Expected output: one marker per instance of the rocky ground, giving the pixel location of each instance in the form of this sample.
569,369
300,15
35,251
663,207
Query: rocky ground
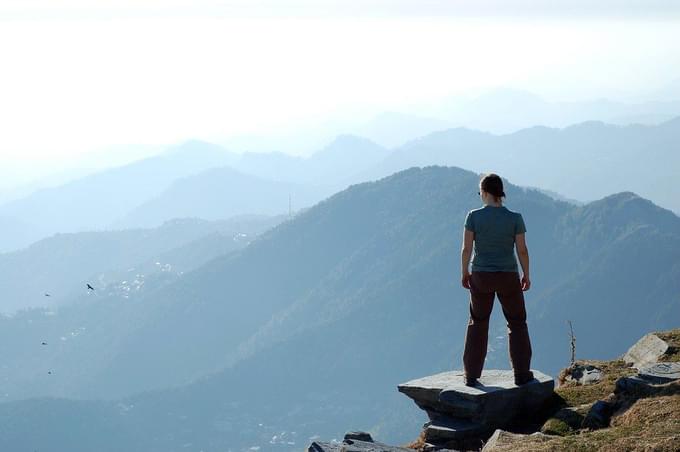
616,411
631,404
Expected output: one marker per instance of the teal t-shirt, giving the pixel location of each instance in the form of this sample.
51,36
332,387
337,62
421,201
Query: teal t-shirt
494,246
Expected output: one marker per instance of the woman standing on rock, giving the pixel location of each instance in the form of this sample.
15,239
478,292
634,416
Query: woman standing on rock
495,230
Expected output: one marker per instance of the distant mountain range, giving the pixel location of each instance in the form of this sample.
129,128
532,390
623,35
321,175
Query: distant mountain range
95,201
195,179
261,183
582,162
220,193
506,110
585,161
308,329
500,110
344,157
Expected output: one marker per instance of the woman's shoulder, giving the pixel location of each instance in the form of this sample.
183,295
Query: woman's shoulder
478,209
474,212
514,212
515,216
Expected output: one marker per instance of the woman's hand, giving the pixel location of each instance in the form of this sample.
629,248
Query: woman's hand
466,280
526,283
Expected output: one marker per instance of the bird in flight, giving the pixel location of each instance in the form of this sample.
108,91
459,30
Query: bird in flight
47,295
89,287
44,343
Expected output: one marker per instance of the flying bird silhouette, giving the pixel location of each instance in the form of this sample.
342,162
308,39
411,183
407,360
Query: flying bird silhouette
44,343
47,295
89,287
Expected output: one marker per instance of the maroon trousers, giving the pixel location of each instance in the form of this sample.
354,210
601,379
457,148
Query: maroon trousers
483,288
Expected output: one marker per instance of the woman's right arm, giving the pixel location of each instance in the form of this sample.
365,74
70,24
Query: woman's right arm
523,256
466,253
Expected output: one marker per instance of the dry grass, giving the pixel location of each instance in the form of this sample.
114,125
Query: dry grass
646,421
574,394
566,420
673,339
651,424
419,443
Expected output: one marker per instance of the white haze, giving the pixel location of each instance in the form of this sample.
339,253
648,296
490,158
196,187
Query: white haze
81,82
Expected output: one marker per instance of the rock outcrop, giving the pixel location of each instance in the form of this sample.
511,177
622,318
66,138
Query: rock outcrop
649,379
583,374
501,439
646,351
458,412
638,402
660,373
567,419
355,442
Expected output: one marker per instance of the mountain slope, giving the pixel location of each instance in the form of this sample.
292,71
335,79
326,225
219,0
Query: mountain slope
343,157
220,193
62,264
351,297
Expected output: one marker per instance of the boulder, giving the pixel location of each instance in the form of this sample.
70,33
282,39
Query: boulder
427,447
361,436
598,416
351,445
660,373
502,440
584,374
646,351
566,420
457,411
632,384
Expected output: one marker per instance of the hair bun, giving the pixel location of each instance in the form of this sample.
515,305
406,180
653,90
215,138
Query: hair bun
493,184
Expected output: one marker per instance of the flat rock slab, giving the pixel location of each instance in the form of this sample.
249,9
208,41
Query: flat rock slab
350,445
660,372
446,429
494,400
425,393
491,381
646,351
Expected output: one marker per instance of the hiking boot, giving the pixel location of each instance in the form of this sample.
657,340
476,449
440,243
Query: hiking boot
470,381
524,378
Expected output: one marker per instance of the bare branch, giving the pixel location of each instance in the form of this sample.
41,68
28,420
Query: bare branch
573,344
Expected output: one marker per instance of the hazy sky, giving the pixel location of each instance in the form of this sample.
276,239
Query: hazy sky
77,77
